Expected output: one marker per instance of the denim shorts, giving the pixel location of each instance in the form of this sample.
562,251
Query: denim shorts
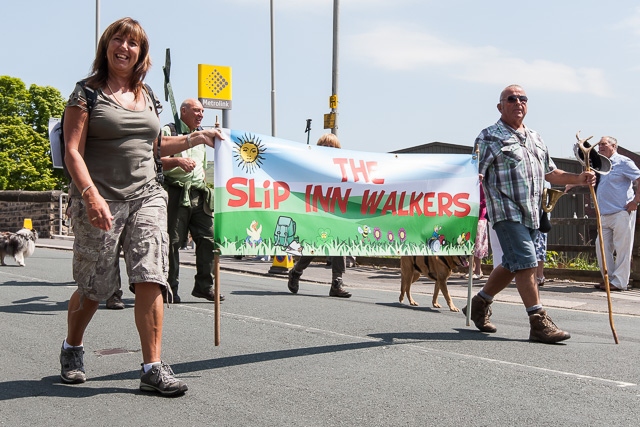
139,230
518,245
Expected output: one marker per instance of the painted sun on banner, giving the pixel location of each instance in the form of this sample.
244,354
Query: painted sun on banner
274,196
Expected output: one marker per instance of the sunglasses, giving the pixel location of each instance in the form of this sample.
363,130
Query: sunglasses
511,99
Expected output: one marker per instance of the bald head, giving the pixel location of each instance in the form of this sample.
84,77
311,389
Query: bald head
510,89
513,106
191,113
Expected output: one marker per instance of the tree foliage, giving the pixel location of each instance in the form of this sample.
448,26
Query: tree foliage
25,154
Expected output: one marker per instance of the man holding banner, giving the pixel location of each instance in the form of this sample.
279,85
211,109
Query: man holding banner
514,163
190,206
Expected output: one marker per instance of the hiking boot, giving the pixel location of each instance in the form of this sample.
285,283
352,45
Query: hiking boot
294,281
115,301
337,290
544,330
160,378
208,295
480,314
72,365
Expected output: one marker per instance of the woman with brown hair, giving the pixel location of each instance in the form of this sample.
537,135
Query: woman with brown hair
118,203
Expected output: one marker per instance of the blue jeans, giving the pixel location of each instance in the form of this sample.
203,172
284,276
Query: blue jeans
518,245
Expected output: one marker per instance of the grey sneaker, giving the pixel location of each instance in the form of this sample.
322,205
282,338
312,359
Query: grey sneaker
72,365
337,289
294,281
160,378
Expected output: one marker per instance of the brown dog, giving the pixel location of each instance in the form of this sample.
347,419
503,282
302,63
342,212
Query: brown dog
435,267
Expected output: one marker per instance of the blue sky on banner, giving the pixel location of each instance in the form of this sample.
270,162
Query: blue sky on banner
410,71
294,163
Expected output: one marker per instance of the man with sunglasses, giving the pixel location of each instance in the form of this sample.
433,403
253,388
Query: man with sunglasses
513,164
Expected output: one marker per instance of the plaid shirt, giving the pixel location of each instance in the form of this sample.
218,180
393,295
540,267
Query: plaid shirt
514,165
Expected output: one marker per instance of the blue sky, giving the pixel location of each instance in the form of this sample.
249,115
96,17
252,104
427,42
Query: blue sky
410,71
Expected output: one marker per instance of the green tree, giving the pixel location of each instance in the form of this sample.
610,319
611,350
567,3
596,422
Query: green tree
25,154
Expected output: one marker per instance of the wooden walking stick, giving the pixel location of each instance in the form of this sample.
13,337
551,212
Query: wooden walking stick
586,148
216,284
216,298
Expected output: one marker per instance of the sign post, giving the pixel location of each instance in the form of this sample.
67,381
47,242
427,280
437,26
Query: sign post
214,89
168,93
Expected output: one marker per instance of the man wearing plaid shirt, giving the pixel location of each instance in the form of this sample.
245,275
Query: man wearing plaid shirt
513,164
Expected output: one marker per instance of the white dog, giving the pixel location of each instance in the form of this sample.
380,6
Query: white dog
18,245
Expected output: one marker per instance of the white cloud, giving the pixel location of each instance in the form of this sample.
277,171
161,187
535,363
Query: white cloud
632,22
403,49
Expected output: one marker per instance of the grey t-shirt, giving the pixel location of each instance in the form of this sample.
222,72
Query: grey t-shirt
119,147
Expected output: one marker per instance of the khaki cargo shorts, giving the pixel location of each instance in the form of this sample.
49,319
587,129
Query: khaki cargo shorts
139,231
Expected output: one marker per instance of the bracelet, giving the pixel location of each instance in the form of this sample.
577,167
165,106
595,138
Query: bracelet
189,140
85,190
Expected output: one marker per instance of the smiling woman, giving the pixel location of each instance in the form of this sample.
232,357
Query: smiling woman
118,204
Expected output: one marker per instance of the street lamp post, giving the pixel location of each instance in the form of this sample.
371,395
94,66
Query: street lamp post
273,78
334,70
97,23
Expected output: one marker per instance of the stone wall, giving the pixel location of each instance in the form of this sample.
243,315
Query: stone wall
46,209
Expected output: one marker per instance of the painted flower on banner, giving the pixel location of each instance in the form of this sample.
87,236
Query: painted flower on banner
391,236
323,235
402,234
249,153
463,238
377,233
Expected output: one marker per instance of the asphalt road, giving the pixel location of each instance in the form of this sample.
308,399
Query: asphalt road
311,360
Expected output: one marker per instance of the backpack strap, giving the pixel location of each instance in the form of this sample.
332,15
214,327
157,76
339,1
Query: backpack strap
90,93
172,128
157,105
156,102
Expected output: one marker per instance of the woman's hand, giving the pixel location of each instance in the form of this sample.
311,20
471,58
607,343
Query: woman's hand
207,136
98,210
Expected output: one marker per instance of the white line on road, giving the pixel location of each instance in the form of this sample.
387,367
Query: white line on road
616,383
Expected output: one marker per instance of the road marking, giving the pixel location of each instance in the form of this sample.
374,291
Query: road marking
621,384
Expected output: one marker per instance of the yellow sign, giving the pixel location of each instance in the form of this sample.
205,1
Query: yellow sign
333,102
214,86
329,120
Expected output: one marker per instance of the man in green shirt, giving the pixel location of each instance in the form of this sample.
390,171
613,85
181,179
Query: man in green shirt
190,207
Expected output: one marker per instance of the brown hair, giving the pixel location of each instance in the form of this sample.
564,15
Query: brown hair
127,27
329,140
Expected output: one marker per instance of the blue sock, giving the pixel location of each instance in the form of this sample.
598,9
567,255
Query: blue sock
66,345
485,296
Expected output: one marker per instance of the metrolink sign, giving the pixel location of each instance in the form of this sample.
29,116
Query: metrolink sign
214,86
